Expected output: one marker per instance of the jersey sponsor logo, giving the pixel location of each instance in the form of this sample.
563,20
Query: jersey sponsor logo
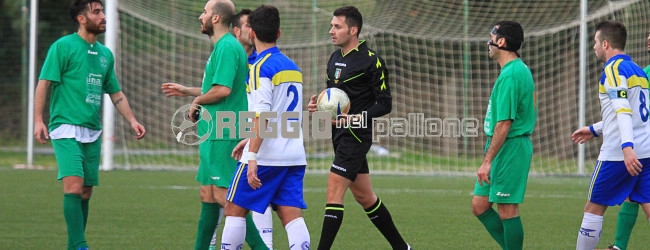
502,194
340,64
215,177
103,62
337,73
267,230
338,168
614,93
92,52
587,232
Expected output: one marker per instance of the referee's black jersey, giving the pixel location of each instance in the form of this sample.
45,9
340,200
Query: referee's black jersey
362,74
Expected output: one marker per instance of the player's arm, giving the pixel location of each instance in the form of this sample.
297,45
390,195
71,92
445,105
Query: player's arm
261,98
122,105
616,90
40,96
177,89
214,95
498,138
379,86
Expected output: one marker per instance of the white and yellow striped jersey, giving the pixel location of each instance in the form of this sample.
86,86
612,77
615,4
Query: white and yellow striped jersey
623,93
275,85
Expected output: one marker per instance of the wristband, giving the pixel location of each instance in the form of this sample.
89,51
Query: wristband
250,156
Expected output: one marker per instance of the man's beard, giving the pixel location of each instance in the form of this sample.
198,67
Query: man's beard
208,29
96,29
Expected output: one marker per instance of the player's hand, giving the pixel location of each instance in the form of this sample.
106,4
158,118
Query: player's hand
139,130
483,173
40,132
631,162
194,108
582,135
253,181
174,89
312,107
239,149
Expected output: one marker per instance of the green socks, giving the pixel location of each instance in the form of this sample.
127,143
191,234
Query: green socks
74,219
626,220
513,233
84,211
494,226
253,237
207,222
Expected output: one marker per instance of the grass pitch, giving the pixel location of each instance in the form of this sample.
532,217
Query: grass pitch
159,210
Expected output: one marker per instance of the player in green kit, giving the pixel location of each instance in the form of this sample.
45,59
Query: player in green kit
223,89
509,122
77,71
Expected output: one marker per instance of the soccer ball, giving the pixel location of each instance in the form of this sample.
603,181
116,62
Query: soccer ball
186,131
333,100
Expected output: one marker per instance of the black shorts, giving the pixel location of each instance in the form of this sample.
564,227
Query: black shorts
350,157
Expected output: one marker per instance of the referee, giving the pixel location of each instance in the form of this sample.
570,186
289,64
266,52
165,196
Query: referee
362,74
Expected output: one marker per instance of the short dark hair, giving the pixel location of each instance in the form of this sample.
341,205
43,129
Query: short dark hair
265,22
224,11
512,32
78,7
352,15
235,19
614,32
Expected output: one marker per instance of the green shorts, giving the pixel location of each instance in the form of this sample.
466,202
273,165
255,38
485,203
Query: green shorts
509,172
216,166
78,159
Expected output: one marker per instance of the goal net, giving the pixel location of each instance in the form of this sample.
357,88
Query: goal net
439,72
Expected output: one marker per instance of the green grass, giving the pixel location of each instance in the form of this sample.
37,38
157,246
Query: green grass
159,210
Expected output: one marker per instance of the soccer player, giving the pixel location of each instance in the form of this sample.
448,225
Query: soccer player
267,173
263,222
623,93
509,121
223,89
241,29
629,210
362,74
78,70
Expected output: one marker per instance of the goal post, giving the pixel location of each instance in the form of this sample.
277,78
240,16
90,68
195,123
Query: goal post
439,72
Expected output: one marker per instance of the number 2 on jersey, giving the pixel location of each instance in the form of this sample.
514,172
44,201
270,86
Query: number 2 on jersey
294,102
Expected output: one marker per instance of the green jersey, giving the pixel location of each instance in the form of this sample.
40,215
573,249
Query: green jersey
513,98
80,73
647,71
226,66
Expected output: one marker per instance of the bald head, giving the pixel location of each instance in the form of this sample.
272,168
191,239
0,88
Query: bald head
225,9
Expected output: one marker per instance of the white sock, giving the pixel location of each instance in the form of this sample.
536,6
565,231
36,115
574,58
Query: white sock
234,233
589,233
213,242
264,224
298,234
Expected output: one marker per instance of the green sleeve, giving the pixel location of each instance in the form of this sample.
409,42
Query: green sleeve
54,63
506,100
111,85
